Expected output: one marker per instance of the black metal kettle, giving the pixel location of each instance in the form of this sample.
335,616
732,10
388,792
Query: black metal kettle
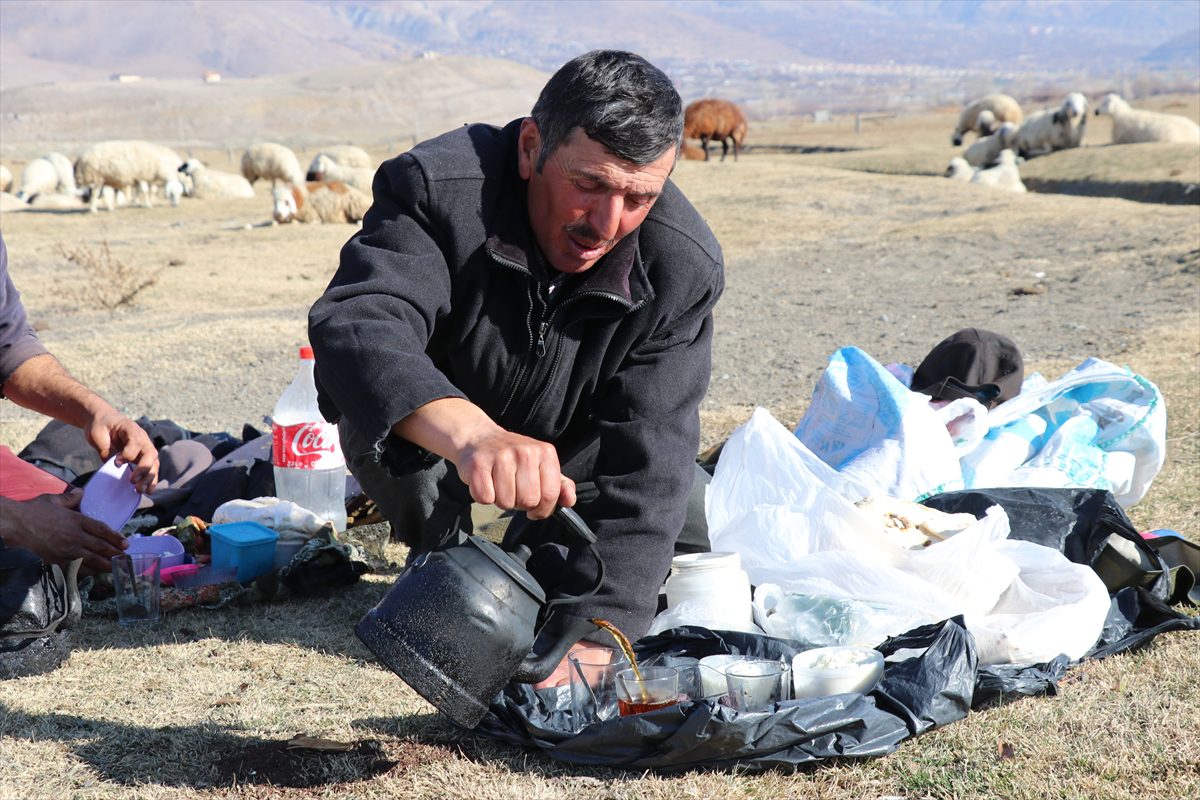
459,623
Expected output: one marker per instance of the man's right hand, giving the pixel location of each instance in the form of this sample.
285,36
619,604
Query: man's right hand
52,527
501,467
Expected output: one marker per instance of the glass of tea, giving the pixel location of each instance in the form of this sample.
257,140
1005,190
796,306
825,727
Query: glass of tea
653,688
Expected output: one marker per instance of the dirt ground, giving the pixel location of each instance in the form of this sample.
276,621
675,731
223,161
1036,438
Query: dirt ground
818,256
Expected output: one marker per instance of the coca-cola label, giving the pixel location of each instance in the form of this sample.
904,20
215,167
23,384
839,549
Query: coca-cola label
306,445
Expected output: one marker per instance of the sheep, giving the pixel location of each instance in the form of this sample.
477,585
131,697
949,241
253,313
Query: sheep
347,155
269,160
209,183
1047,130
325,168
38,177
65,170
985,150
960,170
319,201
1002,176
1132,126
999,108
6,179
125,166
1073,112
715,119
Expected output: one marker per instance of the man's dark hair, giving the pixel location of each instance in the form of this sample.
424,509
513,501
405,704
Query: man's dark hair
619,99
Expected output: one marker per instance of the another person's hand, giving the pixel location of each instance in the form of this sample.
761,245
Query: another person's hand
52,527
111,432
515,472
562,673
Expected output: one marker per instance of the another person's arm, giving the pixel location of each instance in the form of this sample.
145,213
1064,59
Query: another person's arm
42,384
51,526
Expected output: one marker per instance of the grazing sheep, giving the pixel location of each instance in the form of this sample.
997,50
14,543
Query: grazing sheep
1002,176
320,201
272,162
38,177
210,183
999,108
347,155
986,149
125,166
718,120
6,179
65,170
325,168
1132,126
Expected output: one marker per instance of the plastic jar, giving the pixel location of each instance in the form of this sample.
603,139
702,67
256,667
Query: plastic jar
715,581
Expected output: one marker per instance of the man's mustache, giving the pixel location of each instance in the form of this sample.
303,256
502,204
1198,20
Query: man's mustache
586,234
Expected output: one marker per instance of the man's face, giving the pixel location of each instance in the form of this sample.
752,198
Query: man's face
585,199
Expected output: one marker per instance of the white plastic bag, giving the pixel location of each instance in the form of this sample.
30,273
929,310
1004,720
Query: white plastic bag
869,426
290,520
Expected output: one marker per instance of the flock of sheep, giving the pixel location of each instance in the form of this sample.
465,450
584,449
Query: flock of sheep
337,187
1007,136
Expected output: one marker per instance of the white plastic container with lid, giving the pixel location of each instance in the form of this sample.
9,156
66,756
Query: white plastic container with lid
306,451
716,585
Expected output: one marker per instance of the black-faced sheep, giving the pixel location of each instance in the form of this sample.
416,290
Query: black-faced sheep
324,168
129,166
272,162
1133,126
995,110
319,201
716,120
1051,129
210,183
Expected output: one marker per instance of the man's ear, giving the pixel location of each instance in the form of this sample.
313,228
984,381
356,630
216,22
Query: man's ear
529,145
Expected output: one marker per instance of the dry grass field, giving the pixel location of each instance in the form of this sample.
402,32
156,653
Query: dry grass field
864,247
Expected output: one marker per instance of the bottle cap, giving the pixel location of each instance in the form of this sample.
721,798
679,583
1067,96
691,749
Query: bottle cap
306,353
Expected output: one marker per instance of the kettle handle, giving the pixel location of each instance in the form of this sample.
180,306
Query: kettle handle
575,524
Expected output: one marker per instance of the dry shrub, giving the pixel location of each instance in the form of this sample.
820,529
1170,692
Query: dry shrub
110,282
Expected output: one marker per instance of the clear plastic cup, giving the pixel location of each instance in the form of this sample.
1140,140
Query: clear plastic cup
594,686
136,581
657,688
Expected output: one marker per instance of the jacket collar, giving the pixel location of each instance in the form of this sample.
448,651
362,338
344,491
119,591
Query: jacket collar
619,275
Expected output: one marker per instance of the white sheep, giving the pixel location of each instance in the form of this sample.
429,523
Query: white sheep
319,201
272,162
128,166
6,179
1002,176
65,171
994,108
1051,129
347,155
1132,126
325,168
38,177
986,149
210,183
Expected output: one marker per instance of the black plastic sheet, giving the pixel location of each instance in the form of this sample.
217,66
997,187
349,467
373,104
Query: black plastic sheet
938,682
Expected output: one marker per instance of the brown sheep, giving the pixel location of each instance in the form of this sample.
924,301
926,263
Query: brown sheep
719,120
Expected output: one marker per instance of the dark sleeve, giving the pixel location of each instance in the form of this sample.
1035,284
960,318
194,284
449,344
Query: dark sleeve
18,342
370,328
649,424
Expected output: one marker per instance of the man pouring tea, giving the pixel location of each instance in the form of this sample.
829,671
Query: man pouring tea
525,320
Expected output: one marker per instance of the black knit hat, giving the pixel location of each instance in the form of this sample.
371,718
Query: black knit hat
972,363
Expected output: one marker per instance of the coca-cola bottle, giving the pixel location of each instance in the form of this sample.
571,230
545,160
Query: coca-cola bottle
309,467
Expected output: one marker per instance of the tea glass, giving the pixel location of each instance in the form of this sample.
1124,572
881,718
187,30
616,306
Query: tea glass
594,686
657,688
136,581
755,685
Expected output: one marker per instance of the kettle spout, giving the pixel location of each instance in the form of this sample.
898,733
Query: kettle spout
537,667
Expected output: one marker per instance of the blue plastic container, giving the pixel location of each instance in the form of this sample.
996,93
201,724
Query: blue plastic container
248,547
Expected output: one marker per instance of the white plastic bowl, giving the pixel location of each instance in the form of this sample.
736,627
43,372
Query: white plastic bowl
811,679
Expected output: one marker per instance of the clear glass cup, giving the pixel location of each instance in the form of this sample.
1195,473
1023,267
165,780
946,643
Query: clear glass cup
658,688
136,581
594,686
755,685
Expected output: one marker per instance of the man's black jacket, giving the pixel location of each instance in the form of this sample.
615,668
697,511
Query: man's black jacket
439,296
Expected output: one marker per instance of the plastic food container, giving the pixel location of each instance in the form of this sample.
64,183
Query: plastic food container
204,576
248,547
168,549
715,587
836,670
